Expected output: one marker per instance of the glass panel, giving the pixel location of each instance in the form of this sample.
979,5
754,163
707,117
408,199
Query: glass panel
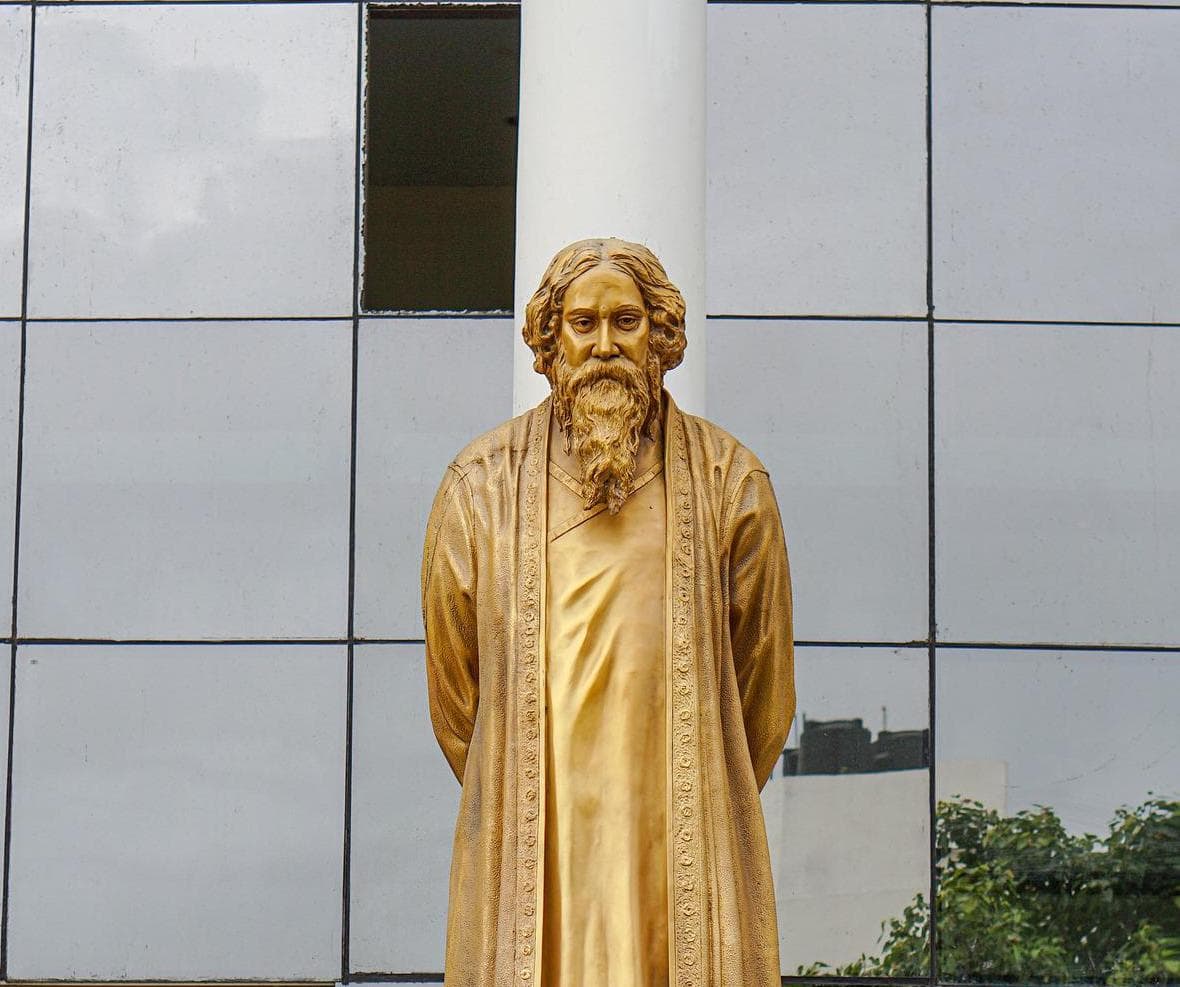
194,160
14,136
817,159
5,695
186,480
426,388
849,824
1058,484
9,399
178,812
1114,3
440,158
832,899
1055,152
837,413
1069,871
404,805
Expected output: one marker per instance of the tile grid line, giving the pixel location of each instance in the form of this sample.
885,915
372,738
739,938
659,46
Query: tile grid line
943,321
1010,4
357,174
182,319
85,4
437,978
16,517
497,316
275,642
932,586
1034,4
351,639
784,979
427,4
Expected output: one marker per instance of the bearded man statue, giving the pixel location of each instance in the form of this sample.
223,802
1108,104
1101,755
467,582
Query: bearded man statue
607,604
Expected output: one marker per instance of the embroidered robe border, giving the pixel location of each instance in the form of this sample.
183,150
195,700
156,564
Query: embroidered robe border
684,795
530,780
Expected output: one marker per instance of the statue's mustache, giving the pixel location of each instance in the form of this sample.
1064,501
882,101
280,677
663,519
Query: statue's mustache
618,369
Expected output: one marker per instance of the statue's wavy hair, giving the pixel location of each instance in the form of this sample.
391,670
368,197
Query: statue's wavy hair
661,298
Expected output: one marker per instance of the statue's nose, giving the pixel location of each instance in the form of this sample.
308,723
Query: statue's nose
604,343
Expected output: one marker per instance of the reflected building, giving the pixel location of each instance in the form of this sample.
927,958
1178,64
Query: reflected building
837,747
848,820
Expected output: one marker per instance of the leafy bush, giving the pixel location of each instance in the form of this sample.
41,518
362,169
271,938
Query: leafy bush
1021,900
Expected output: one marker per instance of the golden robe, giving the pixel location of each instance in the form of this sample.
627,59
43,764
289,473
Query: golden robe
728,675
605,902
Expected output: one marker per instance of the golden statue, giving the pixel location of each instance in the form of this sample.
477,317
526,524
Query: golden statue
609,656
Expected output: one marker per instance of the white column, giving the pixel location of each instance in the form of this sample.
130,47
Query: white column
612,143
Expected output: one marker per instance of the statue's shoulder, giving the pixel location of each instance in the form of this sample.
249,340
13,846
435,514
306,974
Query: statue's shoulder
720,449
506,442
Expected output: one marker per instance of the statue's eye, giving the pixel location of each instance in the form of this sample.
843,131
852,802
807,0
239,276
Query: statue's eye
582,324
628,322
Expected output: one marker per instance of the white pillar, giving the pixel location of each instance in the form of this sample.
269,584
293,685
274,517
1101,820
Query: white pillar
612,143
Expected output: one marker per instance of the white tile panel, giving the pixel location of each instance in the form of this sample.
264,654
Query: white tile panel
404,804
1058,484
9,400
178,813
5,695
186,480
837,413
817,159
426,387
1056,141
193,160
14,124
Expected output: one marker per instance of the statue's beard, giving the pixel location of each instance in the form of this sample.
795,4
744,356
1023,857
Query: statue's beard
604,407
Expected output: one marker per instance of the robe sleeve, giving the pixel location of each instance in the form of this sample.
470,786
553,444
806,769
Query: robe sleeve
760,621
448,614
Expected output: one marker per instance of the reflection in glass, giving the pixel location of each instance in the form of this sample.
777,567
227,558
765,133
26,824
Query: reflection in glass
848,830
193,160
1021,900
1075,875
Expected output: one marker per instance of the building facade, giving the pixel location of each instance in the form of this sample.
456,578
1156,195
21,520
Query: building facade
943,306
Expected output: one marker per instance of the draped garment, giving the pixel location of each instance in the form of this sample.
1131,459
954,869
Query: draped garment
728,674
606,884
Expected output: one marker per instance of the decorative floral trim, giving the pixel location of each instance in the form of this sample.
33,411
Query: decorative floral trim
529,780
685,801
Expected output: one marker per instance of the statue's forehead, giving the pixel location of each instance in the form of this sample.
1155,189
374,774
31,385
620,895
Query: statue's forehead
599,280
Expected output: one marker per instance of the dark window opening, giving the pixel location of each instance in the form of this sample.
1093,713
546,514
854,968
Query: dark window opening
440,158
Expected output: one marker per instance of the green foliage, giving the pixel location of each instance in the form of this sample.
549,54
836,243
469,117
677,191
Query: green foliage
1021,900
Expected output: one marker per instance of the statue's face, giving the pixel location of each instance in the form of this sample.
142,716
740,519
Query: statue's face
603,316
